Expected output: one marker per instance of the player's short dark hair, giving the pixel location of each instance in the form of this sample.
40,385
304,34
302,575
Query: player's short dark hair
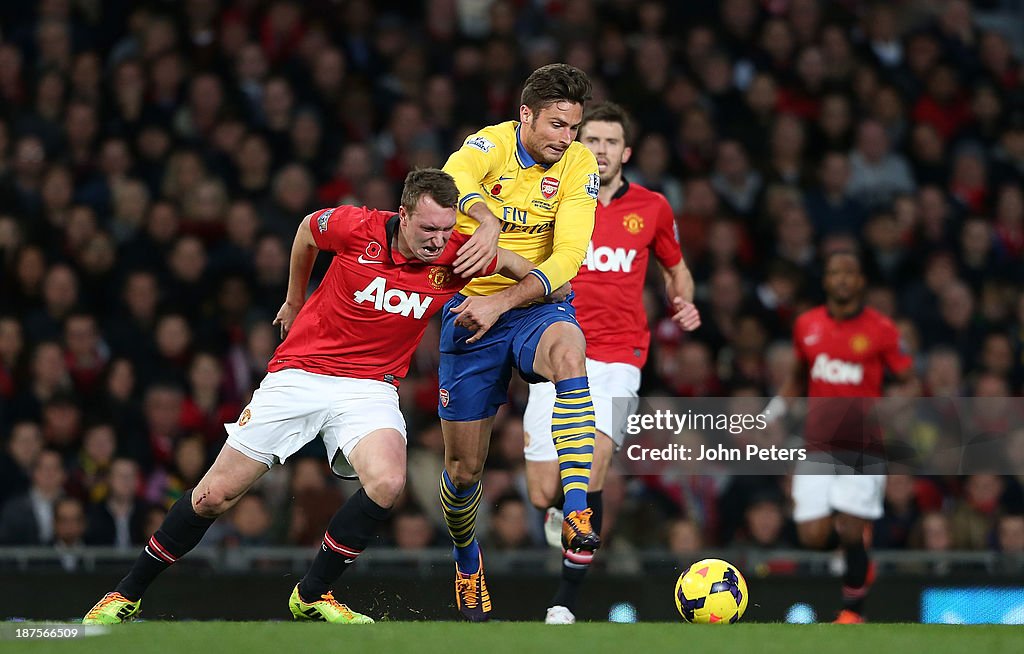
844,252
433,182
609,112
555,83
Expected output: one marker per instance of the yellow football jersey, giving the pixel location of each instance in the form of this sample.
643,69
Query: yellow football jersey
546,212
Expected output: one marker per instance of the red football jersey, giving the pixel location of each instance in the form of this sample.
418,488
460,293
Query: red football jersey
609,287
371,309
846,359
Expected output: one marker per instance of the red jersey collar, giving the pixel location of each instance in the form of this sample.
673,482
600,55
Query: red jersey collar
391,231
852,316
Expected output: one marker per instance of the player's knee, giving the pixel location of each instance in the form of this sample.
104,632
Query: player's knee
568,361
850,530
212,501
464,473
815,539
385,489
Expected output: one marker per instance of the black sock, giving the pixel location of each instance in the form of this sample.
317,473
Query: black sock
854,581
181,530
573,573
596,504
347,536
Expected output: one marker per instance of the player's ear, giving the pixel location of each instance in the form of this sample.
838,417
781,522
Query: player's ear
403,215
525,115
627,152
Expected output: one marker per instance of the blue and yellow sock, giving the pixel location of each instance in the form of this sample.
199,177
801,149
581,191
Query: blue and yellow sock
460,508
572,429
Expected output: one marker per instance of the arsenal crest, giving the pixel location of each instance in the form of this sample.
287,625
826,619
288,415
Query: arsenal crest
439,276
548,187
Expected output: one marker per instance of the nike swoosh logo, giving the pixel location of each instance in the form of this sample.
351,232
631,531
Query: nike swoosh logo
363,259
502,179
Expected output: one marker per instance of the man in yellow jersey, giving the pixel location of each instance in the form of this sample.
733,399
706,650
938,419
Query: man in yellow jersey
529,186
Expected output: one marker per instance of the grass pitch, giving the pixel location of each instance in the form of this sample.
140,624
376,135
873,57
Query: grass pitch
527,638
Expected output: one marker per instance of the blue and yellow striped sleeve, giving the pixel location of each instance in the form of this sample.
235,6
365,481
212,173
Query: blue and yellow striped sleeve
482,155
574,222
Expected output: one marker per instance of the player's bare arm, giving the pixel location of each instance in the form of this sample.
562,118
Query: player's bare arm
481,247
304,251
517,267
679,287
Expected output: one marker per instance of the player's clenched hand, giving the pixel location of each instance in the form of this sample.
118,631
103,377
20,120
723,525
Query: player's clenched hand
560,293
285,317
477,314
686,314
481,248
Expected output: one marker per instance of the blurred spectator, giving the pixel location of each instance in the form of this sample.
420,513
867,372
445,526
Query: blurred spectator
934,533
89,477
1010,534
736,182
683,537
412,530
894,528
119,520
69,525
764,524
877,174
509,530
28,519
975,514
250,522
829,206
18,459
314,501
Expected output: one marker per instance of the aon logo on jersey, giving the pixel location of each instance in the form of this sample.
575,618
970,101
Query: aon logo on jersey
836,371
393,300
606,259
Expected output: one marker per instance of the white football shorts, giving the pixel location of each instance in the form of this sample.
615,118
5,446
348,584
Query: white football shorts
819,496
292,407
613,388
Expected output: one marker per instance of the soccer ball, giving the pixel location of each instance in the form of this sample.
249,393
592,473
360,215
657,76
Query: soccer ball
711,591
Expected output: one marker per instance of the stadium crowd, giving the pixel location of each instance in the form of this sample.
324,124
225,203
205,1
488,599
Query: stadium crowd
156,157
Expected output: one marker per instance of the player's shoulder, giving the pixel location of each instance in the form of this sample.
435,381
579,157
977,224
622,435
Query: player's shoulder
493,137
579,156
875,317
642,194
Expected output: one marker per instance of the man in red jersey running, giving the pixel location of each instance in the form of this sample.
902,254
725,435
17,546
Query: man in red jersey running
334,376
630,222
842,351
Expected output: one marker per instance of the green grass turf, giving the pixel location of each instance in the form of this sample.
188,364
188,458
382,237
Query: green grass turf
527,638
